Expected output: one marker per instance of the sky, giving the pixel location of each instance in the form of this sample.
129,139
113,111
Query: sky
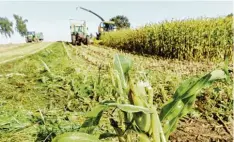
52,17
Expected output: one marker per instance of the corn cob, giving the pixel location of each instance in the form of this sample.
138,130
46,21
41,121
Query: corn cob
142,120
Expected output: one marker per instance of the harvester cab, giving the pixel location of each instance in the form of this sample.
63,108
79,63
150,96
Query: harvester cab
79,32
104,26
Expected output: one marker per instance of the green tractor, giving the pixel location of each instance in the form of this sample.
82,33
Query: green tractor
79,32
31,36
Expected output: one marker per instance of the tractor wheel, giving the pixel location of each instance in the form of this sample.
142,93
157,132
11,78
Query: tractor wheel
73,40
79,42
98,36
87,41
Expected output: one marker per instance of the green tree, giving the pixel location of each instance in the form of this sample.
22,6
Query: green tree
121,21
6,27
21,26
230,15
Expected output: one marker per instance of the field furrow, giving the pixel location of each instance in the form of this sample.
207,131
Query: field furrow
150,63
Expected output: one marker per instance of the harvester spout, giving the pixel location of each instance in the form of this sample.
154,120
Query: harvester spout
92,13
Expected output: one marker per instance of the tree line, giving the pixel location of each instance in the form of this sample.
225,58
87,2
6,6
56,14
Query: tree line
7,29
121,21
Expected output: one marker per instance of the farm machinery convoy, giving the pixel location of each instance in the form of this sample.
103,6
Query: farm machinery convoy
32,36
79,29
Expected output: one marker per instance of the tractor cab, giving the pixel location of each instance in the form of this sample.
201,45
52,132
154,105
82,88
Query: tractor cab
78,27
79,32
31,33
30,36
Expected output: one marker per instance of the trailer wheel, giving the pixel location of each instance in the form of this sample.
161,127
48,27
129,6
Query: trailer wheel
73,39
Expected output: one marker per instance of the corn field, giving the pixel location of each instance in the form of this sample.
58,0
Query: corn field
190,39
88,93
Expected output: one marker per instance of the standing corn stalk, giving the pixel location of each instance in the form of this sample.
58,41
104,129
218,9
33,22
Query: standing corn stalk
136,110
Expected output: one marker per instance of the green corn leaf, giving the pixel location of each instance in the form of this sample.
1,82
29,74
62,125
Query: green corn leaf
217,75
184,87
169,127
131,108
196,87
122,65
205,81
184,99
96,110
171,110
107,102
225,68
46,67
75,137
124,62
171,122
188,104
91,123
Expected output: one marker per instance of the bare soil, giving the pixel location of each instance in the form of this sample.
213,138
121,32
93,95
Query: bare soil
194,130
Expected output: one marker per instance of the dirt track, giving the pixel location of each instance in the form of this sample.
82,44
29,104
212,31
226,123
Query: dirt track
8,55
